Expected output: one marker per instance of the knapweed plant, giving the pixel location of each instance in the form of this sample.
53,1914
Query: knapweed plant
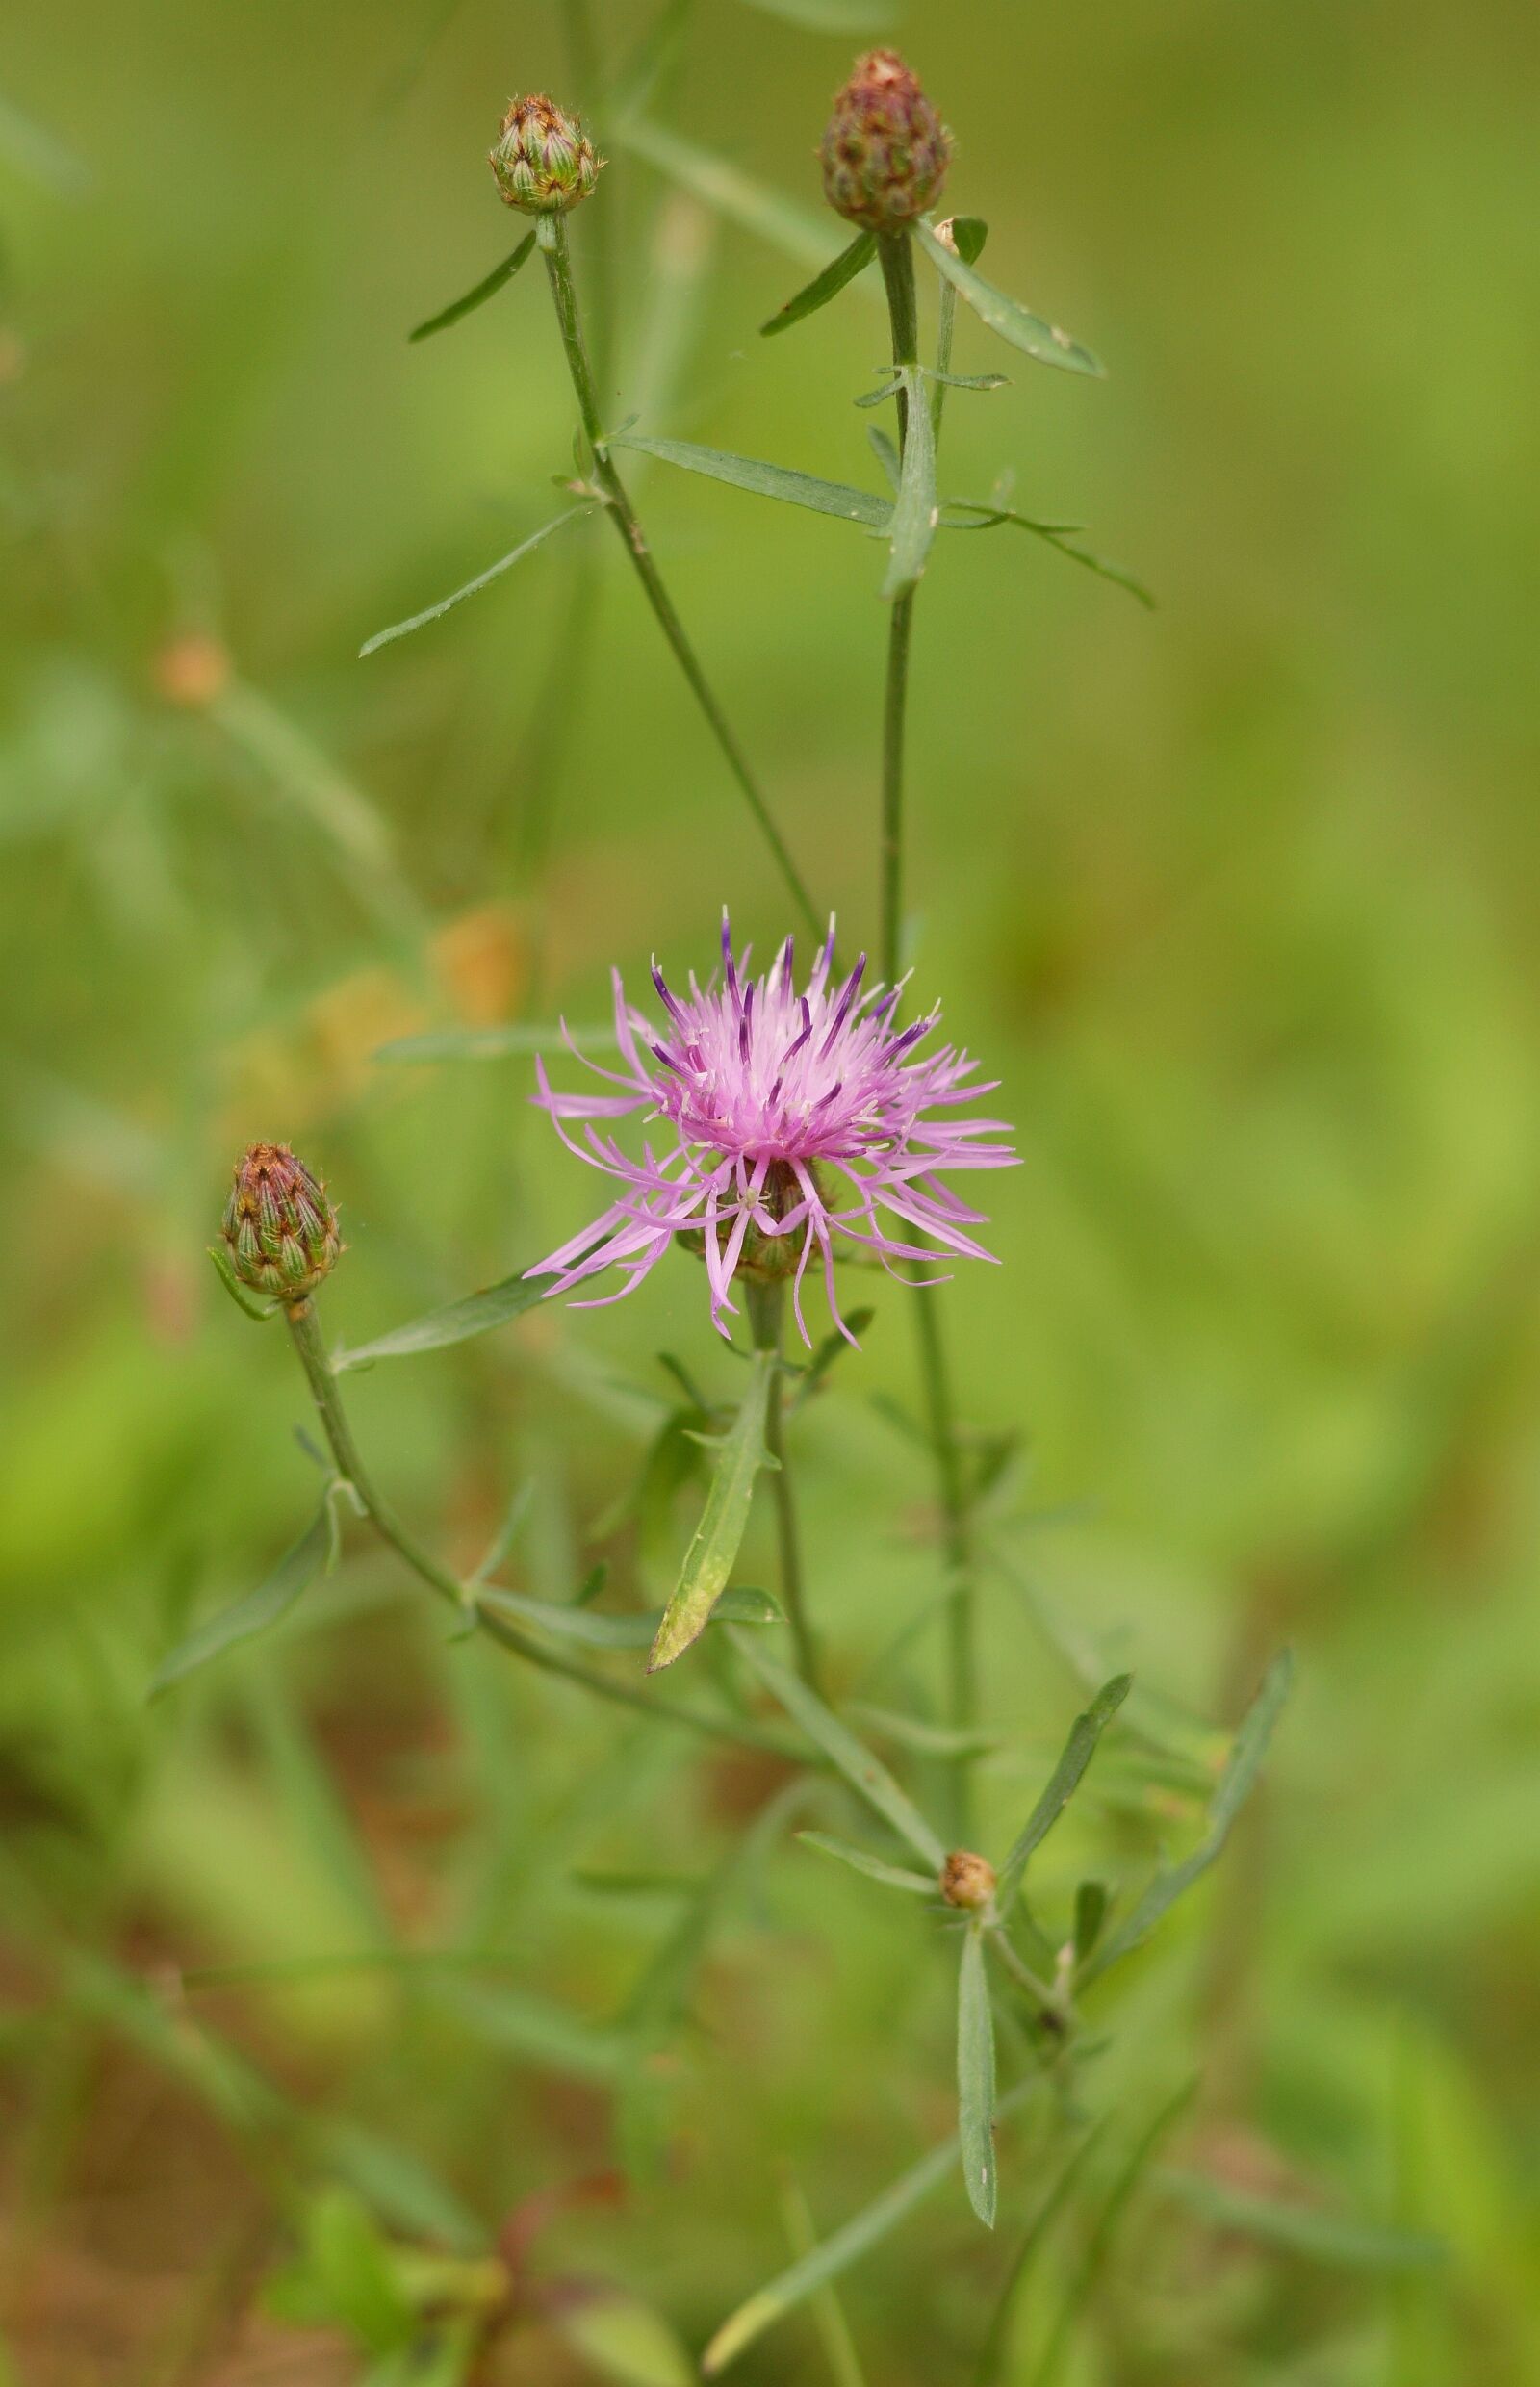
796,1136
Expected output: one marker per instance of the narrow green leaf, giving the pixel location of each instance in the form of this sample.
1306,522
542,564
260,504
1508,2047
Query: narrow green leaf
533,2027
975,2077
260,1610
457,1322
737,1605
1054,534
824,286
243,1298
827,2313
926,1740
1246,1752
502,1541
478,296
799,232
769,481
886,454
916,513
483,579
864,2230
892,1877
500,1043
1017,324
831,15
1090,1912
1099,2246
1322,2236
862,1770
708,1560
1062,1782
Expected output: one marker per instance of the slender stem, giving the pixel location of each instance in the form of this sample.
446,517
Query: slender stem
896,253
327,1397
896,250
553,232
767,1301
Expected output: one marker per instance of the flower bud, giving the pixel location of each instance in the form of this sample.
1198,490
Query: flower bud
967,1879
544,161
279,1230
886,151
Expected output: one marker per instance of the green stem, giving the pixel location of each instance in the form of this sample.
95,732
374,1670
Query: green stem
327,1397
553,233
896,250
767,1301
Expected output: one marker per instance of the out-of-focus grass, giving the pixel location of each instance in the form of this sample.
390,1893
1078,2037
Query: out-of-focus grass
1238,899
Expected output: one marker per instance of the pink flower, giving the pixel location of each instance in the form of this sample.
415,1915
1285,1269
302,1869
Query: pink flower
797,1120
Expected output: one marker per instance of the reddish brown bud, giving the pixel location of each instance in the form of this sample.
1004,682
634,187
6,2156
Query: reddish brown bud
967,1879
886,150
279,1230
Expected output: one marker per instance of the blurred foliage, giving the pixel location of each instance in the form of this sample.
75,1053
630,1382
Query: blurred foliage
1237,898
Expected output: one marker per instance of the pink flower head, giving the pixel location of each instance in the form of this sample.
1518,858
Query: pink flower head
797,1119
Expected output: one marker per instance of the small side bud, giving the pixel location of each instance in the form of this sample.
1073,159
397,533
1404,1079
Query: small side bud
886,151
544,161
967,1879
279,1230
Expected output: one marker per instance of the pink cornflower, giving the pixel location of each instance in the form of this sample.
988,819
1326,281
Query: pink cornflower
797,1120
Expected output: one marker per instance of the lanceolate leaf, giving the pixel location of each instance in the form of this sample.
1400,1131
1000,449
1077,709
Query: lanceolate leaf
457,1322
862,1770
891,1877
483,579
1017,324
708,1560
824,286
1311,2230
1249,1748
1062,1784
916,513
478,296
261,1608
864,2230
991,517
769,481
975,2077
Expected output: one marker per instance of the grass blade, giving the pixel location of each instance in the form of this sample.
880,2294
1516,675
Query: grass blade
892,1877
738,1606
814,2270
797,231
827,2313
1024,330
916,513
768,480
1062,1782
975,2077
483,579
1249,1748
502,1043
824,286
709,1561
477,297
993,2352
260,1610
1099,2246
862,1770
1322,2236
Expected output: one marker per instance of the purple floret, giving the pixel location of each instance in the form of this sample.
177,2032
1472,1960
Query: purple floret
794,1115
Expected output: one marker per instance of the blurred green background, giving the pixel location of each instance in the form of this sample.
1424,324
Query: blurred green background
1237,898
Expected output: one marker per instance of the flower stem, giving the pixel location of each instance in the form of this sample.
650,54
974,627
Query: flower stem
896,250
767,1301
553,234
327,1397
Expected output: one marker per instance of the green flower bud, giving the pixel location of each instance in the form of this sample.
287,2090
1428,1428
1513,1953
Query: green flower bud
544,159
886,152
967,1880
279,1230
